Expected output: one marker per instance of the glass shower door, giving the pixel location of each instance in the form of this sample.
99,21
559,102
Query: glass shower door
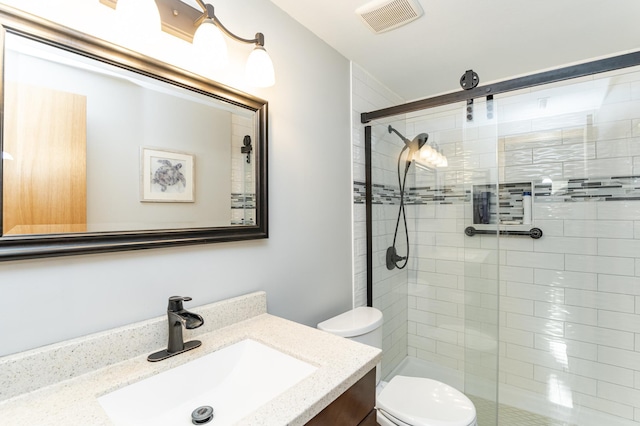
440,311
570,305
389,285
522,284
488,209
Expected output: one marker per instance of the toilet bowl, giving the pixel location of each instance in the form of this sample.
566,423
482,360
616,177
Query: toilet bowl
417,401
404,401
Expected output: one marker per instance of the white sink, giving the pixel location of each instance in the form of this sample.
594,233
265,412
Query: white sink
235,381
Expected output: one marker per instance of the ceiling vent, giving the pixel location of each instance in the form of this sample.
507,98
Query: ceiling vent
384,15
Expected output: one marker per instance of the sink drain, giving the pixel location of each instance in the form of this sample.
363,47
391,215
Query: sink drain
202,415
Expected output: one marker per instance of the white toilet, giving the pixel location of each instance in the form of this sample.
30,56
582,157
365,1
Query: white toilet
404,401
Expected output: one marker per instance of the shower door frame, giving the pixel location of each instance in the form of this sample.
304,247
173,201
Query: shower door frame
560,74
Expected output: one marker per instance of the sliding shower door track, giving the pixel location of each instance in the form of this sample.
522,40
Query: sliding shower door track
545,77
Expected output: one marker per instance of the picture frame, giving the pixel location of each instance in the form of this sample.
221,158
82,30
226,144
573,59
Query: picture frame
166,176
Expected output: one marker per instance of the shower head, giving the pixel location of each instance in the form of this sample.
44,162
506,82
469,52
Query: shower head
393,259
419,141
413,145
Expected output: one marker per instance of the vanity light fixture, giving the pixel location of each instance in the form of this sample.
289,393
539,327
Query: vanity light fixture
431,156
206,32
208,38
141,16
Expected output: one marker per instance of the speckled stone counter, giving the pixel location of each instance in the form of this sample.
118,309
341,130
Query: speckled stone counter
59,384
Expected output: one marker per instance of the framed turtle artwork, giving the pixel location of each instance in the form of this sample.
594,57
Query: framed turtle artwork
166,176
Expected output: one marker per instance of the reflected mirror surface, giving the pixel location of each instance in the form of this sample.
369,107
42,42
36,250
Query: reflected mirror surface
91,147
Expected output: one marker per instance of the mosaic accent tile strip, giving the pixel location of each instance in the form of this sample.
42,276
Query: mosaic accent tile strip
448,194
243,209
359,193
385,194
243,201
615,188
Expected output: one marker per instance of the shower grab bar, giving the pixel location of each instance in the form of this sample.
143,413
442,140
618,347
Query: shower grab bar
534,233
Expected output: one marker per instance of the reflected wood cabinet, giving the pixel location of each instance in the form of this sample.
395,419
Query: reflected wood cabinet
44,183
355,407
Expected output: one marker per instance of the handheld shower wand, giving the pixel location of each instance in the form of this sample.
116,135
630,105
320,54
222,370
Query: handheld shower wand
392,257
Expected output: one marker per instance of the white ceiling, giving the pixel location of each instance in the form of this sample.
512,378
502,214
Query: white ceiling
498,39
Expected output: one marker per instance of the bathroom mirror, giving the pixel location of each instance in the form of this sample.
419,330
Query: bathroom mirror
104,149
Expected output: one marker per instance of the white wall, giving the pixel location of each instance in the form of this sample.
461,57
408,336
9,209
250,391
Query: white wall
305,266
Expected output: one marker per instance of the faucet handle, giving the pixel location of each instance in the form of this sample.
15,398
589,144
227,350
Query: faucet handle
175,303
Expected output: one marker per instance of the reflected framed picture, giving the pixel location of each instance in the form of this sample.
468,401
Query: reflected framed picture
166,176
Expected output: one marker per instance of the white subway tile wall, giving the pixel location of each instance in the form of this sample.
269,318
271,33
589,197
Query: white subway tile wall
390,292
566,307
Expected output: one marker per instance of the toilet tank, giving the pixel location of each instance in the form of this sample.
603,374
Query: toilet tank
362,324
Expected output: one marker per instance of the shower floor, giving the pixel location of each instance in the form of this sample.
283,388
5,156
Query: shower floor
510,416
485,409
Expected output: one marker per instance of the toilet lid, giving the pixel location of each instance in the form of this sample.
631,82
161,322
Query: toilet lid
355,322
425,402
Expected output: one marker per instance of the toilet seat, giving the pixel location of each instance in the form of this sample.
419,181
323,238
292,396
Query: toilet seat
418,401
386,419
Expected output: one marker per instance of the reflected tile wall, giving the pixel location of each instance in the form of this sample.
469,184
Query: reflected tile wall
243,203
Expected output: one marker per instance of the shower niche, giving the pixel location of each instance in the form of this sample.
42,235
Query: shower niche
505,208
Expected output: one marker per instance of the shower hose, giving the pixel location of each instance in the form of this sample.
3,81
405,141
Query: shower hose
393,259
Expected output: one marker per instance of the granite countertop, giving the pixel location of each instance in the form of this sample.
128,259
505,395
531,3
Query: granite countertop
340,364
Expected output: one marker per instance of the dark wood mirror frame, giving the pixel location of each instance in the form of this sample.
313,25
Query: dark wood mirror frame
39,246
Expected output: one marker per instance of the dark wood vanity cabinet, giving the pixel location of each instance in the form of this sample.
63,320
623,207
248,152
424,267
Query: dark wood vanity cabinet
355,407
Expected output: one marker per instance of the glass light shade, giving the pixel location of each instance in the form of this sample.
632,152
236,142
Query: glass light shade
210,45
443,162
427,153
140,16
259,70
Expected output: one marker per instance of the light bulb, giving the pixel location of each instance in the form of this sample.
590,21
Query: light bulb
259,70
444,162
423,153
210,45
428,153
